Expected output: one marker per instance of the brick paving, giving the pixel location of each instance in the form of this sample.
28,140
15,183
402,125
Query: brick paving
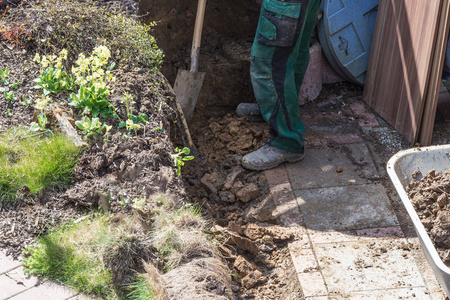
348,243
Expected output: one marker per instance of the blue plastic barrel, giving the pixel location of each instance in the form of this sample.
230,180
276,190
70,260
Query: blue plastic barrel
345,33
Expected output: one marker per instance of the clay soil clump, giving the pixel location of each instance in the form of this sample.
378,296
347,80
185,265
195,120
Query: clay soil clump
431,199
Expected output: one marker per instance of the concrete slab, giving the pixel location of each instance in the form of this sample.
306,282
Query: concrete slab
312,284
346,208
9,287
321,166
46,291
21,278
405,293
368,266
7,263
324,237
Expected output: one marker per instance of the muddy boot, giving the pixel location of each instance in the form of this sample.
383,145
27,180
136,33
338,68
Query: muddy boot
249,111
268,157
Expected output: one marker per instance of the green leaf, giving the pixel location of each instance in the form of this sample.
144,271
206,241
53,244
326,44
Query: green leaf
186,150
34,127
112,66
122,124
187,158
79,124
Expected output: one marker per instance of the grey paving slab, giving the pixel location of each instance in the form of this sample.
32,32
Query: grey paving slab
346,208
404,293
319,169
368,266
7,263
20,277
9,287
46,291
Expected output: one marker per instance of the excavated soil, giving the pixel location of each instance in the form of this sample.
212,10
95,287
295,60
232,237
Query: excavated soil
430,197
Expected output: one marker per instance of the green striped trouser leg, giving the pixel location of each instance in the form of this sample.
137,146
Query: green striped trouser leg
279,58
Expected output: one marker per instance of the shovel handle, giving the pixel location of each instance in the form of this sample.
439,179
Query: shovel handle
197,34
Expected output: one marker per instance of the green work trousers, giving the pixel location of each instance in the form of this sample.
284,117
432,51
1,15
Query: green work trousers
279,59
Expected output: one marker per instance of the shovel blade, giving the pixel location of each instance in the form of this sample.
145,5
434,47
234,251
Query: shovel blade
187,88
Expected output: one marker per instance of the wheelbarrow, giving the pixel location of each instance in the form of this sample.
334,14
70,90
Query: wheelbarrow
400,168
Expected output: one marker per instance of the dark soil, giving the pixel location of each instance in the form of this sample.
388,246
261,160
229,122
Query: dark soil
430,197
228,33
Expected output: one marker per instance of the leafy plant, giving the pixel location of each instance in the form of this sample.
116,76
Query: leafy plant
9,96
180,157
132,122
92,80
53,77
15,85
26,101
4,76
41,123
90,126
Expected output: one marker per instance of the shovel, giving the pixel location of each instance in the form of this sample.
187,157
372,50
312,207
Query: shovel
189,83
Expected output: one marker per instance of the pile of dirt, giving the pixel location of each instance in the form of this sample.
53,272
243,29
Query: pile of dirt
430,197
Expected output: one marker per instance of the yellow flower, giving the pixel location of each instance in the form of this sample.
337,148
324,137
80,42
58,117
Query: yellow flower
37,58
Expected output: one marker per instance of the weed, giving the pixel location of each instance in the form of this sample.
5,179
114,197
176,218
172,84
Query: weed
140,289
9,96
90,127
41,123
34,162
180,157
26,101
132,122
15,85
4,76
71,255
9,113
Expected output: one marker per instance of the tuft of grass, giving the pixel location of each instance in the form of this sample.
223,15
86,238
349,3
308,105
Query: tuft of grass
140,289
34,162
72,255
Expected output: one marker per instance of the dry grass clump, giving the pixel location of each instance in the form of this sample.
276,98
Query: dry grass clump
126,248
200,279
179,236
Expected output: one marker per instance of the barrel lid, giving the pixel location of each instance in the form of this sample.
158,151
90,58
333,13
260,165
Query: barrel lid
345,33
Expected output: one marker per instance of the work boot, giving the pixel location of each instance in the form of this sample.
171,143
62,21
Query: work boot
249,111
268,157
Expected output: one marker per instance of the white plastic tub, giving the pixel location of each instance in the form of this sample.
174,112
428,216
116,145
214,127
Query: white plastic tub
400,168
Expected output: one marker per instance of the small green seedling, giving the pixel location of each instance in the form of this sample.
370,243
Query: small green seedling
4,76
179,159
9,113
26,101
9,96
41,123
124,201
90,127
15,85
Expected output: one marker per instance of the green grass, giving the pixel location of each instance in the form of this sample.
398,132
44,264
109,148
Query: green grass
72,255
36,163
140,289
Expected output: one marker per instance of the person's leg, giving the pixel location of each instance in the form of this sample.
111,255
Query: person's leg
276,70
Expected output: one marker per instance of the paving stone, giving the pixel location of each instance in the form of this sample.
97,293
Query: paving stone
404,293
7,263
346,208
277,175
312,284
324,237
367,266
46,291
303,259
287,211
341,139
320,165
9,287
434,288
21,278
